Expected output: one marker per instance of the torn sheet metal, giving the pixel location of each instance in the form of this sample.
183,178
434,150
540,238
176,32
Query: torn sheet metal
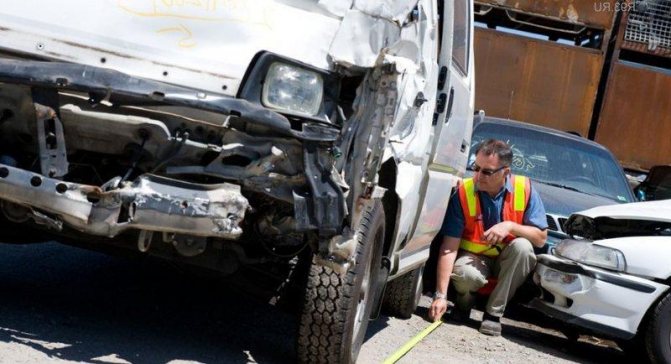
150,203
394,10
361,38
402,105
336,7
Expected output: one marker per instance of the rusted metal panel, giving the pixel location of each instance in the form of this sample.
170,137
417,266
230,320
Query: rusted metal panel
595,13
635,122
536,81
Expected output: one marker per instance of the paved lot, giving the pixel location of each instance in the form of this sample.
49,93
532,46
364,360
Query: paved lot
63,304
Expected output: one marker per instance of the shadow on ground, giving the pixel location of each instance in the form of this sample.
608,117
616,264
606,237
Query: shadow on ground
77,305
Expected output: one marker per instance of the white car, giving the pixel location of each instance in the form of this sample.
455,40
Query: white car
612,278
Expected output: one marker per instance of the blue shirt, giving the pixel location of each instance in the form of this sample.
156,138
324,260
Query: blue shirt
491,208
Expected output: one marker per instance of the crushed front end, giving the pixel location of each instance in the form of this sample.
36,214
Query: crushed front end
87,151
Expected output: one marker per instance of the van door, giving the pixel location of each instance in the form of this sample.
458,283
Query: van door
453,124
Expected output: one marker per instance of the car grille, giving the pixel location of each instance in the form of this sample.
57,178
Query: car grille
555,222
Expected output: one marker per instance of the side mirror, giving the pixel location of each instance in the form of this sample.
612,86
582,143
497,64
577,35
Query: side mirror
478,117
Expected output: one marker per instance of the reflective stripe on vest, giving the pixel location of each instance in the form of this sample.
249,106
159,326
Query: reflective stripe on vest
513,208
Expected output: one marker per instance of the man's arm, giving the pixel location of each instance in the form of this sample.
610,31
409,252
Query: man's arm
535,235
446,258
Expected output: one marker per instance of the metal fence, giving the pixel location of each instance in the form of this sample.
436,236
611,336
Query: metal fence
649,22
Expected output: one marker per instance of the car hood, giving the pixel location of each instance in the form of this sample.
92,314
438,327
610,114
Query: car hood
659,211
563,202
206,45
640,230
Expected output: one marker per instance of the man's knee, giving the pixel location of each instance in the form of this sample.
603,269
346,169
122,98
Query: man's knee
521,247
467,279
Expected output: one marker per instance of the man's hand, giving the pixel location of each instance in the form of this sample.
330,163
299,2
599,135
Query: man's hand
438,308
498,232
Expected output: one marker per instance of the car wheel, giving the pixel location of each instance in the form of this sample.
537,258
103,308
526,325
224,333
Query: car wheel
337,307
658,333
402,295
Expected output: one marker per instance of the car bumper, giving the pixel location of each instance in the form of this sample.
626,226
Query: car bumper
150,203
606,302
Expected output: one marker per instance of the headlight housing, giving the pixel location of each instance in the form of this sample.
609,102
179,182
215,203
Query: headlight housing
292,88
592,254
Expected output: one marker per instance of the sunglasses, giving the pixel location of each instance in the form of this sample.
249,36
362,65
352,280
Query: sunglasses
487,172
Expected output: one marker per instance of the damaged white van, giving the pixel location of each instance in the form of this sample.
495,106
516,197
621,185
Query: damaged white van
238,133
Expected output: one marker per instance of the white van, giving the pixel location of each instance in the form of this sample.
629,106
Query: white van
243,133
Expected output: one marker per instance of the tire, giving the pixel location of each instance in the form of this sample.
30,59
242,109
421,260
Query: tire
658,332
337,307
402,295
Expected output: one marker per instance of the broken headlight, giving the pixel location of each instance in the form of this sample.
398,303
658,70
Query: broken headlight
292,88
591,254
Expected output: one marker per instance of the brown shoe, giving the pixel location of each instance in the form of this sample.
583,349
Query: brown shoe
490,326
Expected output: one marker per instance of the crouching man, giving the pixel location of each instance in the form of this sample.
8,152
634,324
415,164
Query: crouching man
491,226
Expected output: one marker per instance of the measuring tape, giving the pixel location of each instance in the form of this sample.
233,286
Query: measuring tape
410,344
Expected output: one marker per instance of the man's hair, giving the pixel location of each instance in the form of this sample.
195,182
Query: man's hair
498,147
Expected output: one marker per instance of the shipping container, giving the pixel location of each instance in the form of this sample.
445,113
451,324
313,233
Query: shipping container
599,68
537,81
541,61
635,120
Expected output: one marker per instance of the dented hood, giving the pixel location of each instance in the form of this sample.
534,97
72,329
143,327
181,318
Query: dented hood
205,44
649,211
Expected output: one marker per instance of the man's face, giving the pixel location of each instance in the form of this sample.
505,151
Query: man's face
484,179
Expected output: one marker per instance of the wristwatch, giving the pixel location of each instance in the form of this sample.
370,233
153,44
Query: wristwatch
438,295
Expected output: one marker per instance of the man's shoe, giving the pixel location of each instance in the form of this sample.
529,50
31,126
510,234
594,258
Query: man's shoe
490,325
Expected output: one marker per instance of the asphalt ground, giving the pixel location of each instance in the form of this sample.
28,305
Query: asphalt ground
64,304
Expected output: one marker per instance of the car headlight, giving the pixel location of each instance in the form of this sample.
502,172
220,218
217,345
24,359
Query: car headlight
591,254
292,88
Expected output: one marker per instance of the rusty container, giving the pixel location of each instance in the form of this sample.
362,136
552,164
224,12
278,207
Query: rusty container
635,121
594,13
536,81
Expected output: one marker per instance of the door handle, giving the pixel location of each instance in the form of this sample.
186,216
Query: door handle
449,105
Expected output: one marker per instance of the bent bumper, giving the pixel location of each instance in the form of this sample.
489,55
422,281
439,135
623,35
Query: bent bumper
149,203
607,302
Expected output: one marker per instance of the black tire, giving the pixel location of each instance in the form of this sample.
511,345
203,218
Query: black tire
337,307
402,295
658,332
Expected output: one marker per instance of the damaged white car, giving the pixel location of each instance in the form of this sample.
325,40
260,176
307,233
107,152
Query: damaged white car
243,133
612,278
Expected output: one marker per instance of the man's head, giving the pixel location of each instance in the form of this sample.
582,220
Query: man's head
492,165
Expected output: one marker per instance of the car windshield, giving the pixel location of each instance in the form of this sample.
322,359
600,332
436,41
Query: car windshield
558,161
658,183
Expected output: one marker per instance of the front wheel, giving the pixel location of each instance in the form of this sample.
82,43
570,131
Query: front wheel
337,307
402,295
658,333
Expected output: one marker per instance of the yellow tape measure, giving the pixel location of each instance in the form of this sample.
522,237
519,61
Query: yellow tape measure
410,344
